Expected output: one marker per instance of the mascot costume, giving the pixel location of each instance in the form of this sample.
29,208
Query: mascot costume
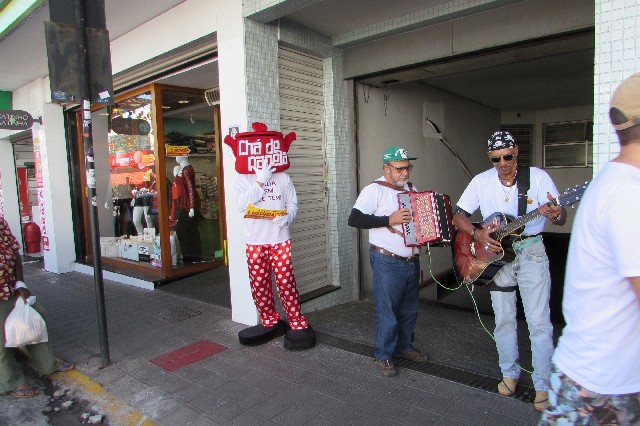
265,195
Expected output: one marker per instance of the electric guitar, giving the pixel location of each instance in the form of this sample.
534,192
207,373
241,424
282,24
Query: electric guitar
473,264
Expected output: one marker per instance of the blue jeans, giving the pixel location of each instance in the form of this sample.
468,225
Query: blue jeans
530,272
395,288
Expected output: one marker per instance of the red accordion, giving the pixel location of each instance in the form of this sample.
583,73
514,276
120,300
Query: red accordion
431,218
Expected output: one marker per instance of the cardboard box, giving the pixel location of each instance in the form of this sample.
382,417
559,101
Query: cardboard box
109,246
139,251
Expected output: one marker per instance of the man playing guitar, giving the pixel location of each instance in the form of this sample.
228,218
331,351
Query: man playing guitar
497,190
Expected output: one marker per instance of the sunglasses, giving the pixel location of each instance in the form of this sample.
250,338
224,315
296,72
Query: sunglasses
402,169
507,157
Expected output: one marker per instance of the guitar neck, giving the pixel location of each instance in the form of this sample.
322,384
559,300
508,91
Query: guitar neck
517,223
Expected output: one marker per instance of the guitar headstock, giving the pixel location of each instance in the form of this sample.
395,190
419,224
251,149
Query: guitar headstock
571,195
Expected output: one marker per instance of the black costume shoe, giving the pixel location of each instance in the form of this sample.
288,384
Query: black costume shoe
297,340
259,334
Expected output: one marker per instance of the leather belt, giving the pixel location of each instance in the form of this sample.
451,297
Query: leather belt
395,256
524,237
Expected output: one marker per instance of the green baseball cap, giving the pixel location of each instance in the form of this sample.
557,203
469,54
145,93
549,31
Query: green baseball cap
395,153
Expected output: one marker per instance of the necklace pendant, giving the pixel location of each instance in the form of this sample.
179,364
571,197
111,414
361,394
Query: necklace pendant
506,198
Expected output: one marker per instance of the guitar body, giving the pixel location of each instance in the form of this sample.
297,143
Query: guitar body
481,267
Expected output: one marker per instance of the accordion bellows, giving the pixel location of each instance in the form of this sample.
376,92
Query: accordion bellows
432,220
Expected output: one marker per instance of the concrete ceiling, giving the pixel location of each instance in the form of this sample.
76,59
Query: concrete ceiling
554,73
18,69
527,78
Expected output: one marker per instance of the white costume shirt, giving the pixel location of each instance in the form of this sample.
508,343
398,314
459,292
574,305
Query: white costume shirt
485,191
276,194
380,200
600,345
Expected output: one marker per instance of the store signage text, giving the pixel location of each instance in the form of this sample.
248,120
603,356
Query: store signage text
176,150
256,158
15,119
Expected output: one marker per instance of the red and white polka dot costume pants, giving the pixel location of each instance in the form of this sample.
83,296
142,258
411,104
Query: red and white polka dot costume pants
262,259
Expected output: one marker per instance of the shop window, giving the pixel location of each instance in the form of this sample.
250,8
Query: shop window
568,144
157,181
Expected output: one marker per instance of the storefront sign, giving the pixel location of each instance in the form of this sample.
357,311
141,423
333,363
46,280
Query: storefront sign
141,158
15,119
176,150
23,194
38,137
130,126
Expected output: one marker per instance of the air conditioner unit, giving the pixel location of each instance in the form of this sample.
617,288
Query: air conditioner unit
212,96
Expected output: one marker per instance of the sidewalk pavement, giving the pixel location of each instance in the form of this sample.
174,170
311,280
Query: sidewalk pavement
263,385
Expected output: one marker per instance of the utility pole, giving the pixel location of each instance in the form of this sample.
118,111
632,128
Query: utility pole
87,138
80,73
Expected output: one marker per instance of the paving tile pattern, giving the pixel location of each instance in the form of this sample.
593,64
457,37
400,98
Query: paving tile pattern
243,385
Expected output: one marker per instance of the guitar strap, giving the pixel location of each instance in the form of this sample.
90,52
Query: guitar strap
523,179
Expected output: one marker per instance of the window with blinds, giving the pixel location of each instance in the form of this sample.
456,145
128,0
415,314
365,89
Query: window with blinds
523,135
568,144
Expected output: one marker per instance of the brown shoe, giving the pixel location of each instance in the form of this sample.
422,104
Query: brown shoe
386,367
507,387
542,400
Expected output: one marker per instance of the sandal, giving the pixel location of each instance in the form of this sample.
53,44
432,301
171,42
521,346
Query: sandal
64,366
507,387
541,402
24,391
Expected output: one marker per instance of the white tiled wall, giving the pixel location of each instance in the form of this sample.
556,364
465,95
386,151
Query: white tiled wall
261,55
617,56
338,156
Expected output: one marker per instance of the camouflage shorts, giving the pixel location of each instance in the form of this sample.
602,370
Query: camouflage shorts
572,404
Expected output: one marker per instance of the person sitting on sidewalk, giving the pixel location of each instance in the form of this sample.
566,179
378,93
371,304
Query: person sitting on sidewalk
12,290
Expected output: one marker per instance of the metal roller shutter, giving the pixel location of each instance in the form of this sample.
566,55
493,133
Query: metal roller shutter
302,111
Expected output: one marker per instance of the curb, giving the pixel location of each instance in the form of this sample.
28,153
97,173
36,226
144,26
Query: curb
117,412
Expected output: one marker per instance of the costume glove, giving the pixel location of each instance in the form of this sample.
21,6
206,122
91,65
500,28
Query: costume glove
263,175
280,220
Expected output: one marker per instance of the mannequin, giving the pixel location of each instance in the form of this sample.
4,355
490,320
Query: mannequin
185,215
119,200
176,188
142,200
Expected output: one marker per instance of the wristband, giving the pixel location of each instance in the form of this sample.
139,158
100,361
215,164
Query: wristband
19,284
556,219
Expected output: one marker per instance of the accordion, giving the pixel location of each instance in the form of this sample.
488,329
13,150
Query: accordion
431,218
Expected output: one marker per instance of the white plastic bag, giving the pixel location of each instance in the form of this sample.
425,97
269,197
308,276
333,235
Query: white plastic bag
24,326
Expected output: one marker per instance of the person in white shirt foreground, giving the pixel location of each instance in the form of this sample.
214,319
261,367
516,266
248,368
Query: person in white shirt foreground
596,374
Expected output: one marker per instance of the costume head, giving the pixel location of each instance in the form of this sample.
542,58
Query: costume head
395,153
500,140
254,149
626,99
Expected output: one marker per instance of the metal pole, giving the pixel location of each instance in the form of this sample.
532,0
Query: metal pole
87,138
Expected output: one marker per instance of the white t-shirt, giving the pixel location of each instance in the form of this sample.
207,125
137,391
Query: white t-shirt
276,194
485,191
600,345
380,200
